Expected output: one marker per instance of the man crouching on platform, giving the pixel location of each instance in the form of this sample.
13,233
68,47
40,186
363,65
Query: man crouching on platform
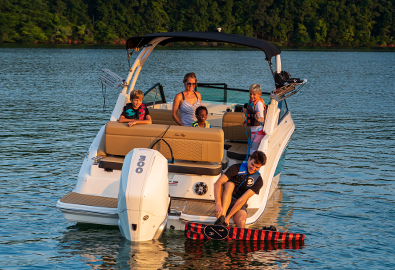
233,189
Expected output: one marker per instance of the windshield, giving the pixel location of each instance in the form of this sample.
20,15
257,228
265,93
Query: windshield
154,95
219,92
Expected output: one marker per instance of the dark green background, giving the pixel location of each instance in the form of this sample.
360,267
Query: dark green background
284,22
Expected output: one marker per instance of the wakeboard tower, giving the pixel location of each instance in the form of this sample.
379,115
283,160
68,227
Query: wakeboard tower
198,231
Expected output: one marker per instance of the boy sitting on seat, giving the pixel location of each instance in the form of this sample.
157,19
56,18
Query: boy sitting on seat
201,116
135,112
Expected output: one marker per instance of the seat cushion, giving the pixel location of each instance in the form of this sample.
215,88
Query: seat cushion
179,166
237,150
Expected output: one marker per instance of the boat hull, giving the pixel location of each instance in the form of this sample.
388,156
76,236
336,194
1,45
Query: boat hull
91,215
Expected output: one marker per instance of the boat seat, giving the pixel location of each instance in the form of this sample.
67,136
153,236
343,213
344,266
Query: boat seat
236,150
196,150
110,163
235,135
162,116
234,128
187,143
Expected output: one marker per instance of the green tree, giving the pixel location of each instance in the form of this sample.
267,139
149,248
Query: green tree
31,33
9,21
215,18
228,20
320,32
261,18
105,33
302,36
157,18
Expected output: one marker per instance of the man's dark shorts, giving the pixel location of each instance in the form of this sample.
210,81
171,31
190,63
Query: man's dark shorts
232,203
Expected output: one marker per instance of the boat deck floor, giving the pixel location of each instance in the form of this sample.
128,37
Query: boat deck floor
90,200
181,205
199,207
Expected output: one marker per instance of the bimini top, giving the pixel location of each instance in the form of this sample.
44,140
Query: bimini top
269,49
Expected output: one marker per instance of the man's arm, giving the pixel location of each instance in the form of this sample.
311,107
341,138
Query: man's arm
217,193
239,203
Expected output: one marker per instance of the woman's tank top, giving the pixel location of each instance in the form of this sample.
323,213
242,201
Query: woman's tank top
187,111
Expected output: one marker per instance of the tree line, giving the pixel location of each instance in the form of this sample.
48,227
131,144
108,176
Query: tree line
284,22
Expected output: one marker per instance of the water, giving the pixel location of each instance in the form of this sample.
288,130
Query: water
337,187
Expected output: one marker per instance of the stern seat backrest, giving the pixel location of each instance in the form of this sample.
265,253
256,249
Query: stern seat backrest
187,143
235,134
163,116
233,127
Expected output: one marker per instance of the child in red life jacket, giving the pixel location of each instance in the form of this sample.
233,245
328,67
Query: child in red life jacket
254,111
135,112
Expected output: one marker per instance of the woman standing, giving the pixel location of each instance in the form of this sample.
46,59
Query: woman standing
187,101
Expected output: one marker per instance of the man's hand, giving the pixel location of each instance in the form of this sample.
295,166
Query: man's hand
227,220
218,210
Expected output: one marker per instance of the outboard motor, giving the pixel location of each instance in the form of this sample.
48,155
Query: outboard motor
143,198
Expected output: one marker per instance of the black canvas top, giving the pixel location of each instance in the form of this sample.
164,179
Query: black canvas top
269,49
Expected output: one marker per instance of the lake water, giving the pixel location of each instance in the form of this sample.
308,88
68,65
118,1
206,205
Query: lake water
337,187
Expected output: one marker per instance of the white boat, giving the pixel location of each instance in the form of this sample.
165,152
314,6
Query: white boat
149,177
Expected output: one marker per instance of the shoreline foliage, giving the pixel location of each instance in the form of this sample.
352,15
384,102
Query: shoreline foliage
284,22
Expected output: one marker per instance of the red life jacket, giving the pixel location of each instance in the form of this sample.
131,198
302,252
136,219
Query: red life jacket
251,111
142,111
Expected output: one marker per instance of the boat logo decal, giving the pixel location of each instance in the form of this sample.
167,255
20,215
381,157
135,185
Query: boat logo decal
173,183
140,164
182,134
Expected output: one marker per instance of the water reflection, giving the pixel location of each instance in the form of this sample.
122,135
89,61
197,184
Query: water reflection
271,215
97,246
102,247
145,255
237,254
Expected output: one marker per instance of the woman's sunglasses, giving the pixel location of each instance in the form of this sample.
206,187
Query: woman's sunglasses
189,84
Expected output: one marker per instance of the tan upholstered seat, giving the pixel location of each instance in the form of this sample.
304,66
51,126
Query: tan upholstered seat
187,143
235,134
232,125
162,116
